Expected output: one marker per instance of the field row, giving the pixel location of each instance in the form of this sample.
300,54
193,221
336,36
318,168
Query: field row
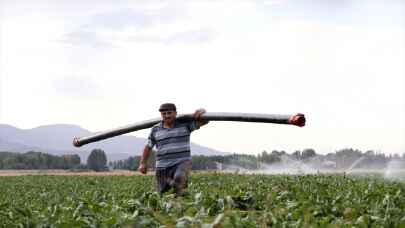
213,200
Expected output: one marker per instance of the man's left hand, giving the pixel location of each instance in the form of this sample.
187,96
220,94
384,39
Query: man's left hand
198,113
197,116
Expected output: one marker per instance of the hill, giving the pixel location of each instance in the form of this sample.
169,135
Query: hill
57,139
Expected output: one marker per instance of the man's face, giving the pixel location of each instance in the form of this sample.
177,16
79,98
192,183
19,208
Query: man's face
168,116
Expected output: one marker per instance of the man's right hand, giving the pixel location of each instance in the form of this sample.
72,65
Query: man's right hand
142,168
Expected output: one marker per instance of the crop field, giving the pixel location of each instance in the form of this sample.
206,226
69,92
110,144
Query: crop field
213,200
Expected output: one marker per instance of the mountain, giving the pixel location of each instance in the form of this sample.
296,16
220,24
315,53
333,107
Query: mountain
57,139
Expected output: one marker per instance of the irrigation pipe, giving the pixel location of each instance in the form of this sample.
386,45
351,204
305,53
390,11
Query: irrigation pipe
297,119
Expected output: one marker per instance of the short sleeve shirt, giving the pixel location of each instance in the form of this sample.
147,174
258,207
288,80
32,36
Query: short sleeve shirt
172,144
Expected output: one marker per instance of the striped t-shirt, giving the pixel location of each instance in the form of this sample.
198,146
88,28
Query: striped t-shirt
172,144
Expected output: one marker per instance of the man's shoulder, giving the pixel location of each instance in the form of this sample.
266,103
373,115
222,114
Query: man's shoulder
182,122
157,126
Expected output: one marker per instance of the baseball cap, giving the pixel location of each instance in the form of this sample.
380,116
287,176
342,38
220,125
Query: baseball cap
167,107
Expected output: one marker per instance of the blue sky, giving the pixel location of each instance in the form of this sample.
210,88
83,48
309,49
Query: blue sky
103,64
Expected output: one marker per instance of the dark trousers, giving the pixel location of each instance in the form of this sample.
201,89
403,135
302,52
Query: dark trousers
175,176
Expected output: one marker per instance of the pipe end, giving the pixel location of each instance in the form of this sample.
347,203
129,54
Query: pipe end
297,119
76,142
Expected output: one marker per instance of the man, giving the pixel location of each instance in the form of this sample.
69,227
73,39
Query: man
172,140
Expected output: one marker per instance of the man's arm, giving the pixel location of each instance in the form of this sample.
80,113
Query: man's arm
144,159
197,116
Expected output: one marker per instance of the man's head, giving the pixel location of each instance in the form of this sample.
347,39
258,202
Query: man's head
168,112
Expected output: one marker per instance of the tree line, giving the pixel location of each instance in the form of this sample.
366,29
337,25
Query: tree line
341,159
97,160
37,160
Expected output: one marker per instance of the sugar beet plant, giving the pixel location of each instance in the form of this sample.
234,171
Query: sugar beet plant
213,200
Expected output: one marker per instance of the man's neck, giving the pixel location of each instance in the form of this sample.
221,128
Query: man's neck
168,125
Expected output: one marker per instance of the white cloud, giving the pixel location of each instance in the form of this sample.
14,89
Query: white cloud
184,37
75,87
119,19
87,38
160,23
224,56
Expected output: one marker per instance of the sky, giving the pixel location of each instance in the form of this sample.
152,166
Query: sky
104,64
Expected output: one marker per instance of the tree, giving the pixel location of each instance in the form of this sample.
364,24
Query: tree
296,155
97,160
308,153
37,160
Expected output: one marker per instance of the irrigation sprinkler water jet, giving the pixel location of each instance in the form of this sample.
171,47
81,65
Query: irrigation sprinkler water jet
297,119
354,164
395,170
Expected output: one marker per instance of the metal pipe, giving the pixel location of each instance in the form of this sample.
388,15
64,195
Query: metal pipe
297,119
